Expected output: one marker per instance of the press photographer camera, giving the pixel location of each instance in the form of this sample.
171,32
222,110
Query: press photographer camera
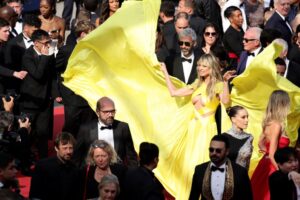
8,100
16,141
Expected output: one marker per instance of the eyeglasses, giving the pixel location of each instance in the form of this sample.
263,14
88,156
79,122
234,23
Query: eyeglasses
108,111
187,44
248,40
213,34
53,31
217,150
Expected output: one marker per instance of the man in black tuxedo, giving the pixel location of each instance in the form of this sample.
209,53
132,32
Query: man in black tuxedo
141,183
292,72
279,20
18,8
184,65
16,47
57,177
38,89
115,132
252,47
77,110
220,177
280,182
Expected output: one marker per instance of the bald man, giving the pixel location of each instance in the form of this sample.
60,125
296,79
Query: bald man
106,128
11,16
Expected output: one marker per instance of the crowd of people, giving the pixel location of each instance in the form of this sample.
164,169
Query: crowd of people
205,44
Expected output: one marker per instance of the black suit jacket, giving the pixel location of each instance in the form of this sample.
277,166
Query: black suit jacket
39,84
175,67
52,179
15,50
243,61
123,143
62,58
276,22
141,184
281,187
242,185
293,73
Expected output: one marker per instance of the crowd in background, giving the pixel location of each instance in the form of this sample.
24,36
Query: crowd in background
203,43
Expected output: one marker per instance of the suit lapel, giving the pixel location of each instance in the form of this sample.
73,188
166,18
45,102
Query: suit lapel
116,135
20,41
178,68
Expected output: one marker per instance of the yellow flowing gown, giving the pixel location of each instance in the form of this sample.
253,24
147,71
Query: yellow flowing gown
117,60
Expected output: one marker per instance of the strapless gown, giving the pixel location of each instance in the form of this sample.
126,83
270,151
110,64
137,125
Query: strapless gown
260,178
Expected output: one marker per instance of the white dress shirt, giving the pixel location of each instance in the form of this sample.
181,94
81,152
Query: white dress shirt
28,42
187,67
218,182
250,58
105,134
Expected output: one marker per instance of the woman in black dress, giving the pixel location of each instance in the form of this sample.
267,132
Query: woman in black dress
240,142
102,160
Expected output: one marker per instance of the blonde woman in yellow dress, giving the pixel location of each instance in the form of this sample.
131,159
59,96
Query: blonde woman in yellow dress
208,90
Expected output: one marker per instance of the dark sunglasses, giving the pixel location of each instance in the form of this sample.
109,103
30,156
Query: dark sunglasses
187,44
248,40
99,145
210,33
211,150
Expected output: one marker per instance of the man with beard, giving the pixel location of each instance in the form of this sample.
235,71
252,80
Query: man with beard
184,65
220,178
106,128
57,177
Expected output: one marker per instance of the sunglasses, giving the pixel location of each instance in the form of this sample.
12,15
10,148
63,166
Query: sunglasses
210,33
248,40
187,44
211,150
99,145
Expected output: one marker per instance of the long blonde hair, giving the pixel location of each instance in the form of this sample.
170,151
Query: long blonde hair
212,62
277,109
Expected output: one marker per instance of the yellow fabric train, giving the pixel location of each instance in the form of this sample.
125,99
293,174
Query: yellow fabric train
118,60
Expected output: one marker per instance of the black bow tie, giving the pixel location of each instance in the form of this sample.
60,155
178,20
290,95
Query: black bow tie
214,168
20,20
250,54
105,127
186,59
286,19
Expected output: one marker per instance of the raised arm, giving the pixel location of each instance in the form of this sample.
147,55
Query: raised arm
225,96
175,92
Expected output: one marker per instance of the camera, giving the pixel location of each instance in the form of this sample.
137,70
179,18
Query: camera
10,93
23,117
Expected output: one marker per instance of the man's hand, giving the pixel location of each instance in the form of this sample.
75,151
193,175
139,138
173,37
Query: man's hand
8,105
25,124
20,75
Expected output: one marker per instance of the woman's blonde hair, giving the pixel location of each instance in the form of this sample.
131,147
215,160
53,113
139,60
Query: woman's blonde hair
209,60
113,158
277,109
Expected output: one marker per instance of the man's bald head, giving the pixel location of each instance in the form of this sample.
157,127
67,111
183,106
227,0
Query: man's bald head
9,15
103,101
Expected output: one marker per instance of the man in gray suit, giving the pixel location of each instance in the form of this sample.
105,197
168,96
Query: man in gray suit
115,132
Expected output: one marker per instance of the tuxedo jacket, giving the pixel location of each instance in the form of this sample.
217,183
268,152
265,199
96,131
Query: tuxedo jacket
175,67
39,85
243,61
242,185
62,58
53,179
123,143
276,22
14,53
293,73
140,183
281,187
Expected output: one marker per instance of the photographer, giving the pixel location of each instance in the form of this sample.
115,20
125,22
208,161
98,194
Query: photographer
16,141
7,104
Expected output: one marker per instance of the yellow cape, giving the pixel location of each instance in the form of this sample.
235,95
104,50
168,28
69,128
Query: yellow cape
117,60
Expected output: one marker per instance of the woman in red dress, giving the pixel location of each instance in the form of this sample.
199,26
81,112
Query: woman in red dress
272,137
